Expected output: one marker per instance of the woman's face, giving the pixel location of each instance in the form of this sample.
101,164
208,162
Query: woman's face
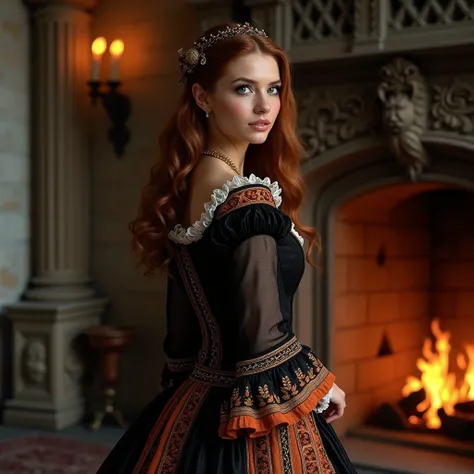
246,100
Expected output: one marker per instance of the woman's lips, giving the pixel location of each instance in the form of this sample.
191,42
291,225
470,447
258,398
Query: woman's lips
261,125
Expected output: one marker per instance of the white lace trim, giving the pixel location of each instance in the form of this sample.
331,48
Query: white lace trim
181,235
295,233
323,404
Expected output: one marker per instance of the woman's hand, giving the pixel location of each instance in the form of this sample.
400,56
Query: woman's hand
336,405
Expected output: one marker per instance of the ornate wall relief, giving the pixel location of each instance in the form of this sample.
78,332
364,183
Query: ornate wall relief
35,363
325,122
453,107
403,93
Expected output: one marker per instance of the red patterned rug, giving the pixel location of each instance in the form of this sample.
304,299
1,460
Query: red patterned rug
49,454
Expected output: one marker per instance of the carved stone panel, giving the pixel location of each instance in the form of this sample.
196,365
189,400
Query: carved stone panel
453,107
326,121
403,93
35,362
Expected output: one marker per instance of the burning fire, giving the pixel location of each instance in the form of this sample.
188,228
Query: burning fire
439,384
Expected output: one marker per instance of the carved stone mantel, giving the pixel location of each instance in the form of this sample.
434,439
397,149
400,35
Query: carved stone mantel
60,302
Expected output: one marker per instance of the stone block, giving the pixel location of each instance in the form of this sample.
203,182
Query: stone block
14,168
415,305
14,198
363,274
357,343
409,274
408,334
349,239
15,228
346,376
374,373
383,307
350,310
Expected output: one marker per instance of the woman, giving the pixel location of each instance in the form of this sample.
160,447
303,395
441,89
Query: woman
241,394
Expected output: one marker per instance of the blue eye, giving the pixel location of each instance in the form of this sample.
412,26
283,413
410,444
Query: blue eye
240,89
276,90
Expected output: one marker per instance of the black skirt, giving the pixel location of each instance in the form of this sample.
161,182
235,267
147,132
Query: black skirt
177,433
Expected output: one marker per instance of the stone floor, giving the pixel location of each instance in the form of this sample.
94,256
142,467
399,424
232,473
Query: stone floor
368,456
106,435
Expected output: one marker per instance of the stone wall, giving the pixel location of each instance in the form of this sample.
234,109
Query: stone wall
14,167
152,35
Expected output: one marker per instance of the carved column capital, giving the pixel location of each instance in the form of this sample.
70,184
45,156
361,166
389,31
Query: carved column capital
85,5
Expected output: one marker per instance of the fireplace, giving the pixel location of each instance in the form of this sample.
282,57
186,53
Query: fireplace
403,267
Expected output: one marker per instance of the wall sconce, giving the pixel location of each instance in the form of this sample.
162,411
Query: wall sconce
116,104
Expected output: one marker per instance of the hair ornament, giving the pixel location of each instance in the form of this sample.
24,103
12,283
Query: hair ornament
195,55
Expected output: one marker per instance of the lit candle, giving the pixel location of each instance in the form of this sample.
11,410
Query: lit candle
98,48
116,50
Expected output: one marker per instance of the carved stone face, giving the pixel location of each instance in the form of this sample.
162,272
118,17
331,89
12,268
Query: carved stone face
399,112
35,362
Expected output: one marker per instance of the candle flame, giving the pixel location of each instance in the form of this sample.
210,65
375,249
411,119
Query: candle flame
116,48
99,46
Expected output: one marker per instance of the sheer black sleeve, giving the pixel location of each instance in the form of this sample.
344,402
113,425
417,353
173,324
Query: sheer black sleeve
182,340
279,380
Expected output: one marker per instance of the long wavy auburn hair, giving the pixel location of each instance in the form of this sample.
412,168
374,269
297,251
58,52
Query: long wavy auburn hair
165,196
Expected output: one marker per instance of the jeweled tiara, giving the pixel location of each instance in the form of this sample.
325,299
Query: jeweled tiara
194,56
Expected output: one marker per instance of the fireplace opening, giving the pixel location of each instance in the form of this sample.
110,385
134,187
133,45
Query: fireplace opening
403,313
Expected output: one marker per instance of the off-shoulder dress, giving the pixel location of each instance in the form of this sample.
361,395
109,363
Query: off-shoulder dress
241,394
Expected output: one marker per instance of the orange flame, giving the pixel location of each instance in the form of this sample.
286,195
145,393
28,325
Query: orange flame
439,384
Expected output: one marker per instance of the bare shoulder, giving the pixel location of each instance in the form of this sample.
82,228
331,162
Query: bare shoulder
207,177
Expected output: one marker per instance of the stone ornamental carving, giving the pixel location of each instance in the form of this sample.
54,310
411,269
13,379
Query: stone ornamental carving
73,367
325,123
424,13
35,362
453,108
403,93
320,19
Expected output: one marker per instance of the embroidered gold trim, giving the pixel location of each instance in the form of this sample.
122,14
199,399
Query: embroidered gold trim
245,197
270,360
180,365
268,402
218,378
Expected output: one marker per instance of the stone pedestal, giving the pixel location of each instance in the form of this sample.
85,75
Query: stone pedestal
48,362
48,359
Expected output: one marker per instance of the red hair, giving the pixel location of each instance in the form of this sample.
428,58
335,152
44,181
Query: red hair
164,198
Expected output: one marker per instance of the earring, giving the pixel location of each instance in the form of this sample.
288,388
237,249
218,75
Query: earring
207,113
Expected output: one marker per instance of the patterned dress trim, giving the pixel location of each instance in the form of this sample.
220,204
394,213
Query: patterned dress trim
154,437
254,411
213,377
311,448
245,197
167,457
285,449
210,354
180,365
271,360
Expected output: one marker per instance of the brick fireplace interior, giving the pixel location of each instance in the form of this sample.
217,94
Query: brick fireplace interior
403,256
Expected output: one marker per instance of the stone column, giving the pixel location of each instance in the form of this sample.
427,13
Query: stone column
48,326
